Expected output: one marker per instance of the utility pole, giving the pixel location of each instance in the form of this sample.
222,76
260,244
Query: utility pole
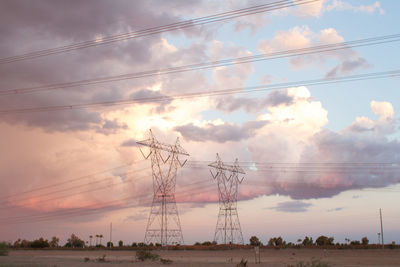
163,225
228,229
380,215
110,234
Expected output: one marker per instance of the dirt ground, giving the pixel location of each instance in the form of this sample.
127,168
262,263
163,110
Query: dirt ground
269,257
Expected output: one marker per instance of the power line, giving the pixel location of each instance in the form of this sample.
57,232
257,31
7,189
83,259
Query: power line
306,164
376,168
261,166
348,186
78,212
309,170
76,193
68,181
93,209
160,29
207,65
243,90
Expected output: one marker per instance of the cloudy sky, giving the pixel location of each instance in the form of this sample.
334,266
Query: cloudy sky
78,169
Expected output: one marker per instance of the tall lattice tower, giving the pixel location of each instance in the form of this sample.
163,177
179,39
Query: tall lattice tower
228,229
163,225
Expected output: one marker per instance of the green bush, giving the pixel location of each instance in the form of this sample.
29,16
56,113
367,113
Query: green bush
4,249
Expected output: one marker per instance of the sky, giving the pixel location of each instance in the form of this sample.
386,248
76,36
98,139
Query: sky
77,170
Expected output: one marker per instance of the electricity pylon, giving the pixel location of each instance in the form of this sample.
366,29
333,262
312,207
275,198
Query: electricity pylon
228,229
163,225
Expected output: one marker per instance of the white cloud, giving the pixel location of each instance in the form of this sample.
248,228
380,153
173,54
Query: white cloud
314,9
342,5
297,37
232,76
383,109
383,125
302,37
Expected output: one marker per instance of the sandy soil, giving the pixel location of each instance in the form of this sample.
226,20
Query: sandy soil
269,257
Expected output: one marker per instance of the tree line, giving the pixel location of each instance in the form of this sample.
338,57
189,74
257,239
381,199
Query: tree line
277,242
321,241
72,242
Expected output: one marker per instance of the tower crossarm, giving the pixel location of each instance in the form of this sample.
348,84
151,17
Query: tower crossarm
226,167
165,147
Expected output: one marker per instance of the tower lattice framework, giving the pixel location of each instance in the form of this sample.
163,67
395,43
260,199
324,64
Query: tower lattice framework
163,225
228,229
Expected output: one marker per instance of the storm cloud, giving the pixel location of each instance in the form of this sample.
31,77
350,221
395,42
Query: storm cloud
219,133
292,206
275,98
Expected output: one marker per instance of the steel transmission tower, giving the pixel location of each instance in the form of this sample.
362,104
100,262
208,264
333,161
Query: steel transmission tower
228,229
163,225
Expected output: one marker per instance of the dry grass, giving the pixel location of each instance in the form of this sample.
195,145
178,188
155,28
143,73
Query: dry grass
194,258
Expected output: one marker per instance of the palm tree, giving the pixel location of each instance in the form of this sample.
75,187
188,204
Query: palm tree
97,236
101,236
90,237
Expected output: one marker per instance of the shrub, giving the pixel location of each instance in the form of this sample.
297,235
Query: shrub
242,263
254,241
4,249
101,259
144,254
313,263
364,240
25,244
323,240
54,242
75,242
276,242
308,241
40,243
165,261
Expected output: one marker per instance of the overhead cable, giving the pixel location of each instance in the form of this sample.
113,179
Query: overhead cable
205,93
207,65
159,29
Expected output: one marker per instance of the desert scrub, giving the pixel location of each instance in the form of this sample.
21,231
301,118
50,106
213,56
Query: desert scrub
165,261
3,249
145,254
313,263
